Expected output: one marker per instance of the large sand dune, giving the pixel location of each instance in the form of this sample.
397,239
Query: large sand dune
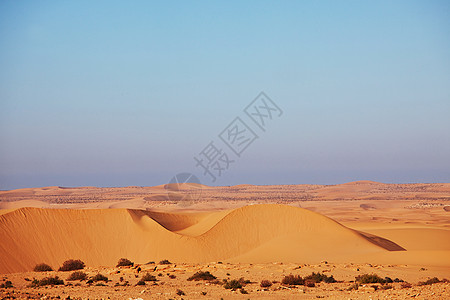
257,233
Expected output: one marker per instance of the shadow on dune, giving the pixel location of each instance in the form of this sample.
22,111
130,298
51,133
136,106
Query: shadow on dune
380,241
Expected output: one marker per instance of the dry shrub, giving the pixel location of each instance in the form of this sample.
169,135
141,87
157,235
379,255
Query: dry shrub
405,285
165,262
99,277
429,281
42,268
77,275
369,278
47,281
293,280
148,277
180,293
200,275
310,283
317,277
6,285
265,283
72,265
232,284
123,262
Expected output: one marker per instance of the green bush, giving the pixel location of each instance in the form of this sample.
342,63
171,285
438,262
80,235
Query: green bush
200,275
369,278
293,280
42,268
123,262
72,265
47,281
77,275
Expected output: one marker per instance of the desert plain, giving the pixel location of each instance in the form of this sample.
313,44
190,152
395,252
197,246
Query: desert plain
246,233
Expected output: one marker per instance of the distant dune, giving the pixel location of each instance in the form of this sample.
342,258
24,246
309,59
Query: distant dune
257,233
358,190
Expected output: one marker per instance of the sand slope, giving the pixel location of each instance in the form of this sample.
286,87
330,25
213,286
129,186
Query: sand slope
254,233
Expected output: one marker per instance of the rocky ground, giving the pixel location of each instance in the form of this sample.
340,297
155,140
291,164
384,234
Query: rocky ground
171,282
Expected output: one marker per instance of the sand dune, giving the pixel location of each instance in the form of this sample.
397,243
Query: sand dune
256,233
23,203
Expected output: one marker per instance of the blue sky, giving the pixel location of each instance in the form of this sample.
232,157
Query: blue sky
118,93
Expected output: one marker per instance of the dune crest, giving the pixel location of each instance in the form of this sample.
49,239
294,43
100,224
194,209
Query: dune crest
101,236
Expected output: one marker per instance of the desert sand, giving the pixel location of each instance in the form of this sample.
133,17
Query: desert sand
255,232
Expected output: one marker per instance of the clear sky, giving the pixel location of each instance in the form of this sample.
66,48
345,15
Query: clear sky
119,93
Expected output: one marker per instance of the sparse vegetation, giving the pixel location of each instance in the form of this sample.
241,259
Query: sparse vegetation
77,275
123,262
243,291
429,281
293,280
165,262
265,283
99,277
46,281
148,277
72,265
42,268
200,275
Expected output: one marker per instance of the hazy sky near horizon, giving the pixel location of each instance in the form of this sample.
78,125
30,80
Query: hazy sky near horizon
119,93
